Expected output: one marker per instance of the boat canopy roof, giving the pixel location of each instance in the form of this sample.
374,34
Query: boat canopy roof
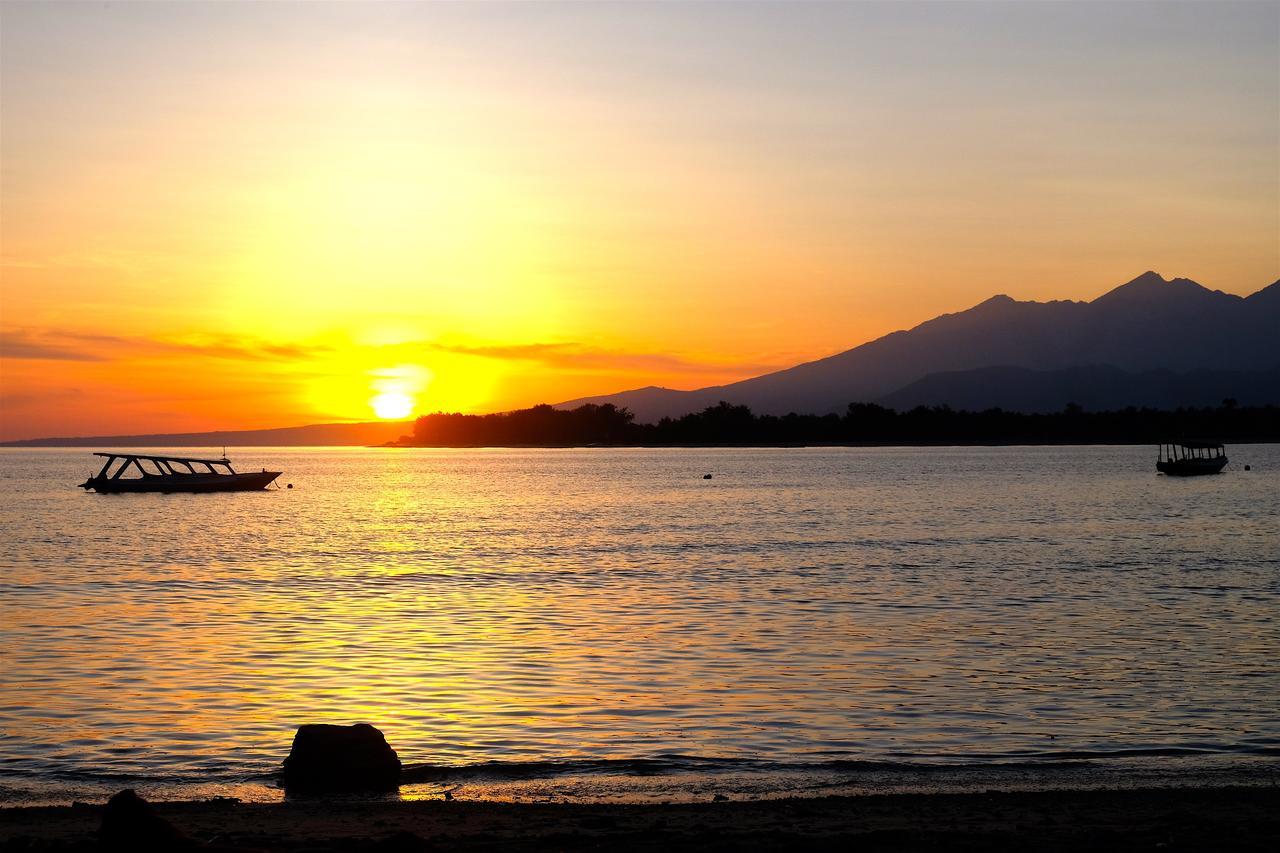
127,455
1198,445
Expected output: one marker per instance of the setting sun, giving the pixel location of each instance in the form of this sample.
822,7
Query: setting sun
392,406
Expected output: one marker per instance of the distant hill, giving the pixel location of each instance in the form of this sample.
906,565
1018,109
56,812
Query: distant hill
1147,324
317,435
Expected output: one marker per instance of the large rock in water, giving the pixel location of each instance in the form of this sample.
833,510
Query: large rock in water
341,758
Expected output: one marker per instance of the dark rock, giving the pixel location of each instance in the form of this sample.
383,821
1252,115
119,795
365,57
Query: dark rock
130,823
341,758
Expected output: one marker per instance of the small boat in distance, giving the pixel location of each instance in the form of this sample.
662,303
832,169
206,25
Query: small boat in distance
173,474
1190,458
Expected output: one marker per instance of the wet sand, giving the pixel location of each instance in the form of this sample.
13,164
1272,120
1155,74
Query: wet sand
1145,819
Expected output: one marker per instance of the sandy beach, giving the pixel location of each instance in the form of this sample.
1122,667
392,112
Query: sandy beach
1174,819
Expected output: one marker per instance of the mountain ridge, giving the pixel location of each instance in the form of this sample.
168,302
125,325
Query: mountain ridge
1148,323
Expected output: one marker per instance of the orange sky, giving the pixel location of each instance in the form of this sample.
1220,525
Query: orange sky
250,215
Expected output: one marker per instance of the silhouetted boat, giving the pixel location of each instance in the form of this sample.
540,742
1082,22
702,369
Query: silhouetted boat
169,475
1191,458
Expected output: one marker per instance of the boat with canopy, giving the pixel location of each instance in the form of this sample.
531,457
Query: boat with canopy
1191,458
173,474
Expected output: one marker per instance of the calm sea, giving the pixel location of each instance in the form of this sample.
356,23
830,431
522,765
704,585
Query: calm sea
607,623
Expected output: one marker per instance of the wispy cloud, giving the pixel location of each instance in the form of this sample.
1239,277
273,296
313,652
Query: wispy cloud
20,346
576,356
76,346
26,344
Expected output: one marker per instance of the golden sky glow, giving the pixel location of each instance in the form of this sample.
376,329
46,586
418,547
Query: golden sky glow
253,215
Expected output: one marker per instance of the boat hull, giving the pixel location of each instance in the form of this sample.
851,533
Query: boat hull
250,482
1192,467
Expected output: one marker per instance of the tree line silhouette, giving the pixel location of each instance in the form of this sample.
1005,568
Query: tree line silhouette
860,424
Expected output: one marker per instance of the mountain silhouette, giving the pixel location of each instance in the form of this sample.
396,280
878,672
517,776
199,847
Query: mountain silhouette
1147,324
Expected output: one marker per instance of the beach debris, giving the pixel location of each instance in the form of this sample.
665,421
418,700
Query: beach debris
706,476
223,802
130,823
340,758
